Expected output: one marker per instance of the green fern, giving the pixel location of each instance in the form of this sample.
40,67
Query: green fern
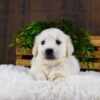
80,38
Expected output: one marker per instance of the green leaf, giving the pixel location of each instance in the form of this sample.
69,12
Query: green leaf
11,45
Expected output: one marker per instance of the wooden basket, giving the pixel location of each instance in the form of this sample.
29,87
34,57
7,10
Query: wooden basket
24,59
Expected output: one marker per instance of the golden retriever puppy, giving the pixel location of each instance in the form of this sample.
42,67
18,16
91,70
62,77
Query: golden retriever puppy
52,56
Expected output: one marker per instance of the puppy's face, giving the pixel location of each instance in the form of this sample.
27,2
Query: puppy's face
52,44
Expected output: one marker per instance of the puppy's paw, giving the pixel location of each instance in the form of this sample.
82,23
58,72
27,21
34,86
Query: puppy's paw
59,80
55,76
39,76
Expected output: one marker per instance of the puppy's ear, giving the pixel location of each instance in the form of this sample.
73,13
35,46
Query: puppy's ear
70,48
35,48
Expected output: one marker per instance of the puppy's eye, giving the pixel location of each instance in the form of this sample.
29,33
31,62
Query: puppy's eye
58,42
43,42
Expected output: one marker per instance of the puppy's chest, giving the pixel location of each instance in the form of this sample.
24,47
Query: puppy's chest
47,69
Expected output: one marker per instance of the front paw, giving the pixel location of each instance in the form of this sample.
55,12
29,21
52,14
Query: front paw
39,76
55,76
59,80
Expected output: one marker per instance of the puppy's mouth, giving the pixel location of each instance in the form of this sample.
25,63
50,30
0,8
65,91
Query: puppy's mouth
50,57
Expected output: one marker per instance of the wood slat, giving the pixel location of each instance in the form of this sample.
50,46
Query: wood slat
94,66
95,40
18,57
95,37
19,51
96,54
23,62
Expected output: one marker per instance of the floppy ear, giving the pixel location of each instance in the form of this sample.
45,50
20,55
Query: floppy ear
70,48
35,48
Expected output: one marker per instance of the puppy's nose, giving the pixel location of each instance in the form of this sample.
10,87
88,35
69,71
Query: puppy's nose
49,51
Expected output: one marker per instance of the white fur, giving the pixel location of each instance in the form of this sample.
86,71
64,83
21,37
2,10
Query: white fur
65,63
17,84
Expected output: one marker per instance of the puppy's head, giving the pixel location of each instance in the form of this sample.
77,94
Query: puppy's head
52,44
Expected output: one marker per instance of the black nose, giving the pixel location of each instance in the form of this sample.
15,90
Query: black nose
49,54
49,51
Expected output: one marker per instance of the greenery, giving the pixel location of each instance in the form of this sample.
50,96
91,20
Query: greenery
79,37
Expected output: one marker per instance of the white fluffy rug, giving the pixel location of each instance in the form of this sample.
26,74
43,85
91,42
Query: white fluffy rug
17,84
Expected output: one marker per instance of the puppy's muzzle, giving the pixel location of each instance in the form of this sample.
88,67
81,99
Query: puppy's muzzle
49,53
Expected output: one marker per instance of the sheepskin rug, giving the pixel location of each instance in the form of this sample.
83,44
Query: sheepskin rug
16,83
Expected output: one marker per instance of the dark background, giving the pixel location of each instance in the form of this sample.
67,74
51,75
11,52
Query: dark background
15,14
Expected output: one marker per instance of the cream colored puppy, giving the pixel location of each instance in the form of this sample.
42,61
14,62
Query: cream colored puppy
52,56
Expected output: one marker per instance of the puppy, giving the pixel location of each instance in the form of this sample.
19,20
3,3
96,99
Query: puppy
52,56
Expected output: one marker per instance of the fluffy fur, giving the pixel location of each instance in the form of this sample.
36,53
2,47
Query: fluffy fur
58,66
17,84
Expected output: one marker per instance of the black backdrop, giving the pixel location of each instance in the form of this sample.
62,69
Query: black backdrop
14,14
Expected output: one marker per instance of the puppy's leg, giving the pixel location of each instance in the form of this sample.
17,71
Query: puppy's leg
38,75
59,80
55,76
